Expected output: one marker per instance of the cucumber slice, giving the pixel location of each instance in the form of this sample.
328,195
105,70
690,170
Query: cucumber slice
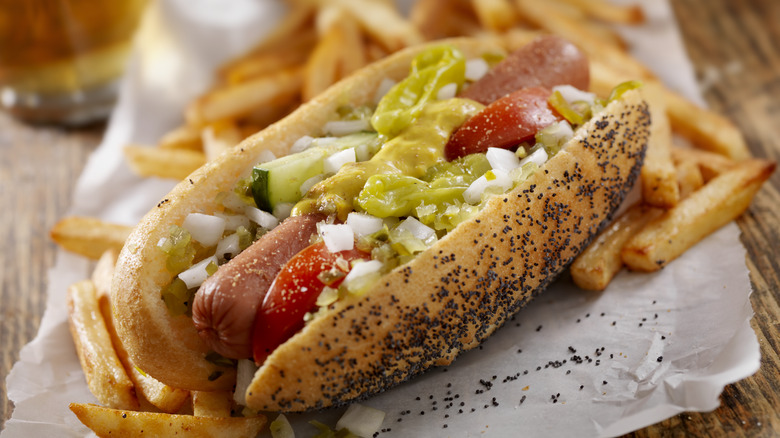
279,181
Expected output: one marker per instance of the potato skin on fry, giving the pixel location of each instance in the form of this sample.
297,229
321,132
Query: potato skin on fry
88,236
595,267
720,201
106,422
106,377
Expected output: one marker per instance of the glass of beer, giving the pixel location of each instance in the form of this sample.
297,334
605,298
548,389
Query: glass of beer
60,60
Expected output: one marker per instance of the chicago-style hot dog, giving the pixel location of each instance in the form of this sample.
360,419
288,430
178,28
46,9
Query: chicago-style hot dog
457,240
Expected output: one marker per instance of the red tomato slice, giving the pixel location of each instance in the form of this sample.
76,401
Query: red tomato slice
293,293
511,120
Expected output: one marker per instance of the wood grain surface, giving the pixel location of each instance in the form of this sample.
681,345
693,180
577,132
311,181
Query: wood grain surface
39,167
735,47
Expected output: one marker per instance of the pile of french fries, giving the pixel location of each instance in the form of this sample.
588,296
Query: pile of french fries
134,403
687,192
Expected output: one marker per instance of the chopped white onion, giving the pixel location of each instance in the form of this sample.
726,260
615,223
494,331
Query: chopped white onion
260,217
282,211
572,94
281,428
383,88
337,237
560,132
245,372
233,221
232,201
447,91
363,269
364,224
196,274
493,178
229,245
476,68
334,162
538,156
204,228
344,127
391,221
363,152
417,228
324,141
502,159
361,420
327,297
266,156
309,183
301,144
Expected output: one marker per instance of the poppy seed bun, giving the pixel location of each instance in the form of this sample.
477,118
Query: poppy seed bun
454,295
421,314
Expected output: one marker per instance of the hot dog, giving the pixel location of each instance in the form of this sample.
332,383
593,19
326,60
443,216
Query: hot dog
224,310
225,306
439,300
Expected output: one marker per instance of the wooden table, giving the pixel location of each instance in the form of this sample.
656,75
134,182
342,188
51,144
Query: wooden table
735,46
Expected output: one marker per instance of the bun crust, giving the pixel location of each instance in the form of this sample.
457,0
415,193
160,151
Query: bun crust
422,314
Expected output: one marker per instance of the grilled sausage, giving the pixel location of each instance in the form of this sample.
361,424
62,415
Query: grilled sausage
545,62
226,303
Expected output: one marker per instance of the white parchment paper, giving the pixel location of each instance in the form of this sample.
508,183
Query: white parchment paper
594,364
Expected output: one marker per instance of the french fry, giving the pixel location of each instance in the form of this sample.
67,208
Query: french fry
321,70
606,33
517,38
604,77
183,137
288,30
382,21
545,16
710,163
219,137
215,404
285,57
705,129
375,52
329,15
598,264
163,163
89,237
158,394
103,273
720,201
106,377
117,423
426,16
495,15
161,396
598,29
610,12
232,101
659,179
689,177
353,53
462,22
261,117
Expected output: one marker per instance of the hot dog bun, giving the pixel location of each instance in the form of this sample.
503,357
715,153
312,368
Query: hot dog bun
422,314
